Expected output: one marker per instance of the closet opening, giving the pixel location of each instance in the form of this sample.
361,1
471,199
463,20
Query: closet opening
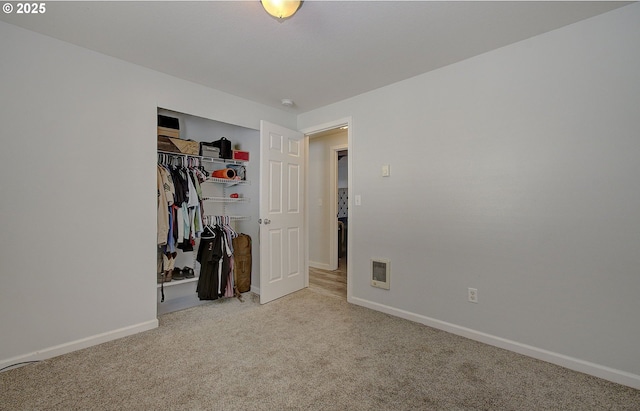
227,204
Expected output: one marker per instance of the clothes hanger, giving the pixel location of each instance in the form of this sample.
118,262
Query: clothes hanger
207,232
232,232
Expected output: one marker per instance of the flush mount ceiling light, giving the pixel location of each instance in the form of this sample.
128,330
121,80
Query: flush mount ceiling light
281,9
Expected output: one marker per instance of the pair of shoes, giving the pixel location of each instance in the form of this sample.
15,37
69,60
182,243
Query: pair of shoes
178,274
181,274
188,272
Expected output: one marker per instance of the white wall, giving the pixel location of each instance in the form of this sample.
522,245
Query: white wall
77,174
515,172
319,194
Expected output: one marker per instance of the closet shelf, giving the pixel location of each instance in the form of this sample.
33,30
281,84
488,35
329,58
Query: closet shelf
226,181
205,159
225,199
222,160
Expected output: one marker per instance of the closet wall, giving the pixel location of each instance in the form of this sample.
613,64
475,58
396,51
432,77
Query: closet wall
179,295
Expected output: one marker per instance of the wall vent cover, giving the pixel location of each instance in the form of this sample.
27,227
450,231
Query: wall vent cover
380,272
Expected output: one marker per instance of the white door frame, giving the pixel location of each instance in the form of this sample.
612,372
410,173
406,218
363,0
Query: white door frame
346,121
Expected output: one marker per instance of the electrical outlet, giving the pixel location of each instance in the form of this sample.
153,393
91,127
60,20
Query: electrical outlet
473,295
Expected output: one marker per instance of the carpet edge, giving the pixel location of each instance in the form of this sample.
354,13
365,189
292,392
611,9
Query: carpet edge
575,364
56,350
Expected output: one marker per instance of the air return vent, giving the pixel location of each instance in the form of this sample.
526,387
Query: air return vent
380,272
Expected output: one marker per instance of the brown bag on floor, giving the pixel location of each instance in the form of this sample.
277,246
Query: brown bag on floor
242,262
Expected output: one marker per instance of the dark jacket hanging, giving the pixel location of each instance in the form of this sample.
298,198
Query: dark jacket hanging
211,253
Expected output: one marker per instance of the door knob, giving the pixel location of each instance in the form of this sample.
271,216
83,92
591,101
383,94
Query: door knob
267,221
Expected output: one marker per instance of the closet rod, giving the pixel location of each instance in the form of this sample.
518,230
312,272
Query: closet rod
211,219
207,159
185,159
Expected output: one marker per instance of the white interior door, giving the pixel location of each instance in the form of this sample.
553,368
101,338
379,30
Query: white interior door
282,237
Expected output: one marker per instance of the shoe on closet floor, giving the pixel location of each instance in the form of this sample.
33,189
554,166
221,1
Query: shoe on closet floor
178,274
188,272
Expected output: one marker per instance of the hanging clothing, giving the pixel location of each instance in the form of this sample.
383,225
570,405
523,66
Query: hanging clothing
194,203
216,279
181,220
181,223
163,216
167,184
210,257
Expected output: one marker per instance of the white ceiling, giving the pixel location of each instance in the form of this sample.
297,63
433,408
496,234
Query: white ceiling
328,51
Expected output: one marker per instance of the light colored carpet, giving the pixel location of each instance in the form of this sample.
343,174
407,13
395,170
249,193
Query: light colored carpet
306,351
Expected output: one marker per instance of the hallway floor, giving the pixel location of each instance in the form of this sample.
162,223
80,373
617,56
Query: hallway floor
333,283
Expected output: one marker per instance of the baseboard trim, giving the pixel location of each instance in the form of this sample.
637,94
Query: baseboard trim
320,266
575,364
255,290
79,344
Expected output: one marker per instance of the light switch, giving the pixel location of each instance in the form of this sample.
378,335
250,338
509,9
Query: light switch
385,170
358,199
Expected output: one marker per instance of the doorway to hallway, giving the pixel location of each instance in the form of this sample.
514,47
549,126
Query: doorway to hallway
328,193
330,282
